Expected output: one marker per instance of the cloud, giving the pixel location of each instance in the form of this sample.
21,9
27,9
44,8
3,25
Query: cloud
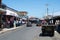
55,13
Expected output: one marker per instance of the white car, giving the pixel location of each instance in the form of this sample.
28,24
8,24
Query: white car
23,22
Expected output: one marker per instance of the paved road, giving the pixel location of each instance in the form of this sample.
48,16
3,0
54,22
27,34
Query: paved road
26,33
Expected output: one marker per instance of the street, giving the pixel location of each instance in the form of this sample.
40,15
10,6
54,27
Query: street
26,33
41,16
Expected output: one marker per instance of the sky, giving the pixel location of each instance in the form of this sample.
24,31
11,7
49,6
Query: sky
35,8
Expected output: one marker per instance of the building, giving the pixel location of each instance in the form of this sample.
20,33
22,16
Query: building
48,17
22,14
11,12
2,11
9,16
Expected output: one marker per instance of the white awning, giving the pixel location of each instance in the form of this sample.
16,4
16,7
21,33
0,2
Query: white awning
3,10
8,12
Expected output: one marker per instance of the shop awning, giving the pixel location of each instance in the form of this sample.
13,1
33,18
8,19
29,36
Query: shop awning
2,10
8,12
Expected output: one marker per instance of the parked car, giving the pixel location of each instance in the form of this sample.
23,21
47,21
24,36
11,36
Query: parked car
23,22
39,23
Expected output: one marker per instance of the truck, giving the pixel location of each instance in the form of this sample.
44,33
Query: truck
47,30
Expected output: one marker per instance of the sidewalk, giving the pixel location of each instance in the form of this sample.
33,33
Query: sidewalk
57,35
6,29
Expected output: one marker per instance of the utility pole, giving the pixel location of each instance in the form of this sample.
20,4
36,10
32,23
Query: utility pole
47,9
53,12
52,16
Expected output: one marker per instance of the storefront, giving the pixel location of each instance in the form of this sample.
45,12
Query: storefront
9,17
2,12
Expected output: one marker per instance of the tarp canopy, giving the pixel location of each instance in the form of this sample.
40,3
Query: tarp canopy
8,12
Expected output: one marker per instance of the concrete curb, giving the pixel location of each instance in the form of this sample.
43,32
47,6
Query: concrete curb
6,30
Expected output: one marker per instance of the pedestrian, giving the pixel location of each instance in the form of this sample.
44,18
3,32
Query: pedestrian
11,22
